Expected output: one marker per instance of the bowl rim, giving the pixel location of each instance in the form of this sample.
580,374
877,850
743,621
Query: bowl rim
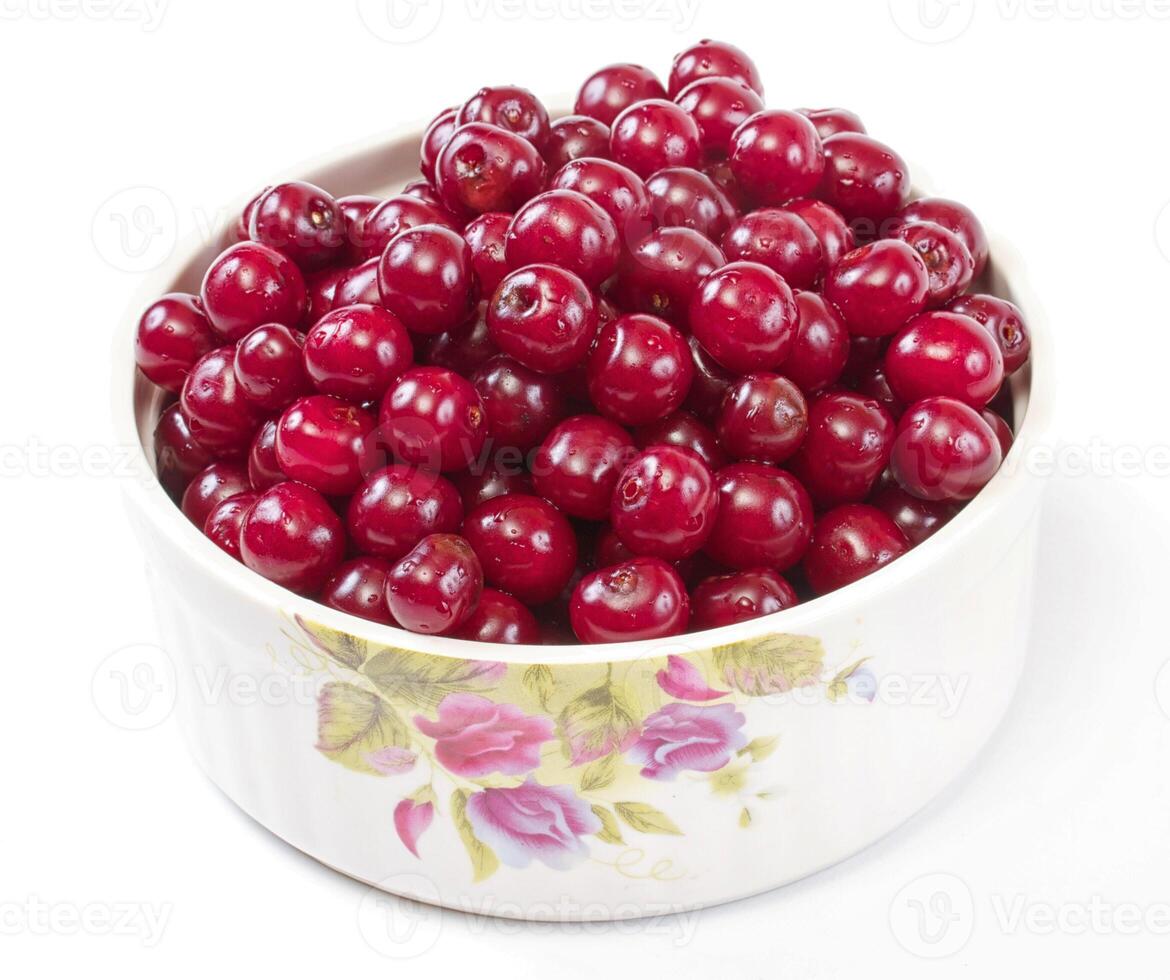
148,497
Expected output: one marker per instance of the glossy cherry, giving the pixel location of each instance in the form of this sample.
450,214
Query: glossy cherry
299,220
397,506
578,464
713,58
463,349
178,457
509,107
358,587
617,190
1004,321
944,450
1003,431
718,105
663,271
526,546
830,122
955,217
878,287
498,618
764,518
828,225
484,168
358,284
354,210
432,417
872,383
776,156
522,405
916,518
948,263
436,586
846,448
486,236
565,229
426,279
710,383
394,216
270,368
685,431
779,239
664,503
735,598
654,134
573,137
291,536
763,417
263,467
863,179
219,415
613,88
821,348
250,284
224,522
543,316
640,369
210,486
435,137
494,480
640,599
357,352
745,317
321,287
172,335
941,353
850,542
682,197
326,443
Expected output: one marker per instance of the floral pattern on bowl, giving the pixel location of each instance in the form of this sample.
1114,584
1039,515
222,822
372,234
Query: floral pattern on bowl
538,762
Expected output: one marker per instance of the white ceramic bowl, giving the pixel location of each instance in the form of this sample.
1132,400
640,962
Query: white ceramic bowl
592,782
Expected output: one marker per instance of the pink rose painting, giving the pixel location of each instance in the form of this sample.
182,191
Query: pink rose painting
475,736
530,821
688,736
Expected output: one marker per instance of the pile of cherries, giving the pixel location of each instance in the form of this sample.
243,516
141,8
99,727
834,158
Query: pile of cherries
668,363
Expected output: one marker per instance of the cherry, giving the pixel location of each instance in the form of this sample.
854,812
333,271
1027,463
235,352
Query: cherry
821,348
763,417
239,232
681,197
527,546
397,506
357,352
956,218
178,457
225,520
878,287
522,405
941,353
640,599
565,229
172,335
435,588
358,587
830,122
872,383
394,216
324,442
250,284
721,176
355,208
713,58
211,486
948,263
917,519
485,168
864,352
1003,431
477,485
463,349
509,107
776,156
745,317
578,464
778,239
684,430
664,503
764,519
663,271
850,542
485,236
358,285
437,134
432,417
321,287
944,450
617,190
828,225
425,191
616,87
725,599
263,467
639,370
718,105
269,367
846,448
426,279
865,180
498,618
653,134
301,221
292,537
219,416
1004,321
573,137
544,317
710,383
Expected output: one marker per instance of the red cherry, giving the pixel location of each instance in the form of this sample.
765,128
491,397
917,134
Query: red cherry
616,87
847,446
358,587
779,239
653,134
172,335
509,107
955,217
544,317
269,367
578,464
486,237
830,122
878,287
916,518
178,457
941,353
718,105
565,229
738,597
220,417
325,442
686,198
640,369
948,263
849,543
865,180
292,537
1004,321
664,503
764,520
684,430
210,487
225,520
498,618
435,588
745,317
435,137
485,168
821,348
776,156
263,467
432,417
357,352
763,417
397,506
663,271
522,405
944,450
574,137
250,284
828,225
713,58
425,278
301,221
641,599
394,216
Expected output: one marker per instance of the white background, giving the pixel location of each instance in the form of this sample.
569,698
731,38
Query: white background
1049,118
